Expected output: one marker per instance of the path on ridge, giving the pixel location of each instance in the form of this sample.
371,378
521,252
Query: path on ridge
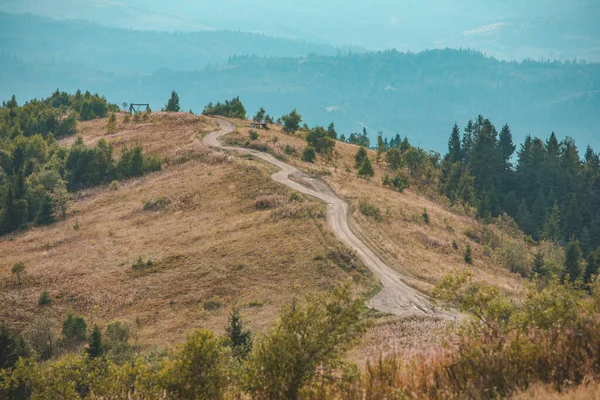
396,297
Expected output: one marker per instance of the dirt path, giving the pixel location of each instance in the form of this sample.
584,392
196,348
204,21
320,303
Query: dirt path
396,297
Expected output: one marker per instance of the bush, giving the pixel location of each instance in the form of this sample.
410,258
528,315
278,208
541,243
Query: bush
309,155
289,150
12,346
213,303
196,370
253,134
369,210
157,204
114,186
45,298
426,217
139,264
366,170
18,270
269,201
289,358
74,329
468,255
291,122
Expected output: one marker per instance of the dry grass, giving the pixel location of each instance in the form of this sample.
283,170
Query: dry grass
208,242
424,252
590,391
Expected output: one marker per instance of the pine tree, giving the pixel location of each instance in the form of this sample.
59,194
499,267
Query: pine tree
572,222
45,215
539,264
507,147
592,265
468,254
359,157
572,259
552,230
366,170
95,347
331,131
239,339
260,115
454,145
380,147
173,103
111,124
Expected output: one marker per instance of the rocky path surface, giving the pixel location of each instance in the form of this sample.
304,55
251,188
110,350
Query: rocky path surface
396,297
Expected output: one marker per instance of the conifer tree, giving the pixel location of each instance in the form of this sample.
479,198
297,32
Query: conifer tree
239,339
454,145
111,124
331,131
552,230
359,157
95,347
572,259
366,170
173,103
592,265
507,147
45,215
380,147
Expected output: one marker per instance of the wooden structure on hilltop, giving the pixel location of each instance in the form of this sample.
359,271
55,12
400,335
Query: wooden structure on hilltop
135,107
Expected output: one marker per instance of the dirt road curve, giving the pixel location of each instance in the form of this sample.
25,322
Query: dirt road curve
396,297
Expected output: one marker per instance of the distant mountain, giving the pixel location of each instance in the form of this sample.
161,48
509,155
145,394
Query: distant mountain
37,39
419,95
507,29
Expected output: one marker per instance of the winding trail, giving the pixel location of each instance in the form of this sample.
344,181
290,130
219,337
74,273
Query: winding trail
396,297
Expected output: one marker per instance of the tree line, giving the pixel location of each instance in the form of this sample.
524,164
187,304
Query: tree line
548,188
37,172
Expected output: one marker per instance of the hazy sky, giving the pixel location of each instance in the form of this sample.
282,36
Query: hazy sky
506,29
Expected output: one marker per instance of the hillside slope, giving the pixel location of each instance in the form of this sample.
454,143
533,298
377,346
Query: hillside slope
219,233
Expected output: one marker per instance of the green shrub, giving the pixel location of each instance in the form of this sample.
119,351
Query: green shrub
157,204
114,186
309,155
44,298
426,217
289,150
369,210
74,329
468,255
214,303
253,134
197,369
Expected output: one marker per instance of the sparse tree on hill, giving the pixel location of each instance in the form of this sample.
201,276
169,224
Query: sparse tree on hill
366,170
291,122
95,347
74,329
309,154
331,132
380,148
111,124
239,339
469,254
359,157
18,270
307,340
318,139
260,116
173,103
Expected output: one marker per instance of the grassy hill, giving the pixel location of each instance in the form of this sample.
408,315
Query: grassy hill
219,233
